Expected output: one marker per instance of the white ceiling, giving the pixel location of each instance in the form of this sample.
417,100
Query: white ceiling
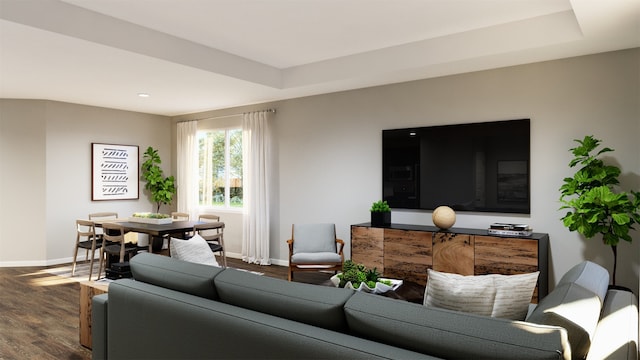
196,55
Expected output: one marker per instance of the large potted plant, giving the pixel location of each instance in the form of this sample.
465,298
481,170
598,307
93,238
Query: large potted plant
161,188
595,205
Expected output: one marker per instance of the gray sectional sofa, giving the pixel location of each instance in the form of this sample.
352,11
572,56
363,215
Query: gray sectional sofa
173,309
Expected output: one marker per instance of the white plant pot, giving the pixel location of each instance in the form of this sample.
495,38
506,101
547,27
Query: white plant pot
150,220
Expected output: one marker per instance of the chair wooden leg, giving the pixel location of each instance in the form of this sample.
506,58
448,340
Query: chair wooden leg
224,258
101,264
73,268
93,255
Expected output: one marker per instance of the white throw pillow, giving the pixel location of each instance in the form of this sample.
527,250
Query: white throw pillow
194,250
495,295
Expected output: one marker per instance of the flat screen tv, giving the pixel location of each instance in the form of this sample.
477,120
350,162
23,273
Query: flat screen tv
478,167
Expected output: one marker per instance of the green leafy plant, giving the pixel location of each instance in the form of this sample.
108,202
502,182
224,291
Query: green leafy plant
594,205
147,215
380,206
358,273
161,188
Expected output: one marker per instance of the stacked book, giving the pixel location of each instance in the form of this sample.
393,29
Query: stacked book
503,229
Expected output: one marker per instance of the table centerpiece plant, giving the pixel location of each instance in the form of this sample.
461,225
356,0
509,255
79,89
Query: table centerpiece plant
151,218
148,215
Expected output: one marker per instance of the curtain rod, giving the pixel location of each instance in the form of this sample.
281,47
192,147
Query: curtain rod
226,116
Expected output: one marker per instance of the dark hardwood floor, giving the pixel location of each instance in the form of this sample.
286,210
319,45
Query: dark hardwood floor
39,311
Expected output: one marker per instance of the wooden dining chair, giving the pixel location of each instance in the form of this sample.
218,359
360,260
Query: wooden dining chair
102,216
180,216
86,229
113,244
212,230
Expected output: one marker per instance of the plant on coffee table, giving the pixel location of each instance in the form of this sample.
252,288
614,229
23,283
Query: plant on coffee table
358,273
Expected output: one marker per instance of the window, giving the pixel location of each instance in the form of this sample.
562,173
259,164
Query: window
220,168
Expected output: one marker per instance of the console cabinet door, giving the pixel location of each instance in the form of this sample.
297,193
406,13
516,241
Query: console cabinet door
367,247
407,255
453,253
509,256
503,255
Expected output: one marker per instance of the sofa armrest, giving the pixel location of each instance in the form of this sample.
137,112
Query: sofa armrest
99,326
616,336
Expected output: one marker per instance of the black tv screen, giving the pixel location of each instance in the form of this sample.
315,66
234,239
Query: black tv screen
481,167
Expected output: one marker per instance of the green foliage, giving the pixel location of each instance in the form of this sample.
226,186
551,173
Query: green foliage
147,215
213,167
380,206
161,188
358,273
594,207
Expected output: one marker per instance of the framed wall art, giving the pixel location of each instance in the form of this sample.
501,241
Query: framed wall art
115,172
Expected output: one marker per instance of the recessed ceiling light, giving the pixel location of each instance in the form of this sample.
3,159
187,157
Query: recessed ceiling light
143,95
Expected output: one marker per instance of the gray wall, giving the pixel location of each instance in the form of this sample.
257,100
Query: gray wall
328,147
45,181
327,153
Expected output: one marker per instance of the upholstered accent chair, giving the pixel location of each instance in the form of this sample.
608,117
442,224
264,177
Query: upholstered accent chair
314,247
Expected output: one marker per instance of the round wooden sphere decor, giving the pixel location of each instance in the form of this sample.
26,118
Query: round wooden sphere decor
444,217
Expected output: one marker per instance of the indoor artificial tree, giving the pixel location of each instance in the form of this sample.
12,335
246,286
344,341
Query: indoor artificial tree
161,188
593,202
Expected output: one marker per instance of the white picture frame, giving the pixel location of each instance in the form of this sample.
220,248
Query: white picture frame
114,172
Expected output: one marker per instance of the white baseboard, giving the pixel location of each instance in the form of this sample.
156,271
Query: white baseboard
69,260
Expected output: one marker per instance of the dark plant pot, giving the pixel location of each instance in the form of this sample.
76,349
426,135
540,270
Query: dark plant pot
381,218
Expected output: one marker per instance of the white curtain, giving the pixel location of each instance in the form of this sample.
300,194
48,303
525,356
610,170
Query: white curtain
187,165
255,187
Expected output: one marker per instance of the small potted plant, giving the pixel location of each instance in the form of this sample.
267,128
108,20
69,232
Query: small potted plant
380,213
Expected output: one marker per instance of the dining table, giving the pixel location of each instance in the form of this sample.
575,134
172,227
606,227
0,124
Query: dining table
176,228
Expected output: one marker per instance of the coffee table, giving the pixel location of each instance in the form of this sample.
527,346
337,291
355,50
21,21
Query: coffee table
88,289
408,291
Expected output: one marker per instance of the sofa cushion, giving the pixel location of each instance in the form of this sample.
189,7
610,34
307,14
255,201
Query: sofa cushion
619,317
191,278
451,334
495,295
194,250
590,276
148,322
311,304
574,308
310,238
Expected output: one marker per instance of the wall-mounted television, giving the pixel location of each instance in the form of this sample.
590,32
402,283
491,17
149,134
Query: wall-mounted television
478,167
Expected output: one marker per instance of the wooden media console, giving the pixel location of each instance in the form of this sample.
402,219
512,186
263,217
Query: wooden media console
406,252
